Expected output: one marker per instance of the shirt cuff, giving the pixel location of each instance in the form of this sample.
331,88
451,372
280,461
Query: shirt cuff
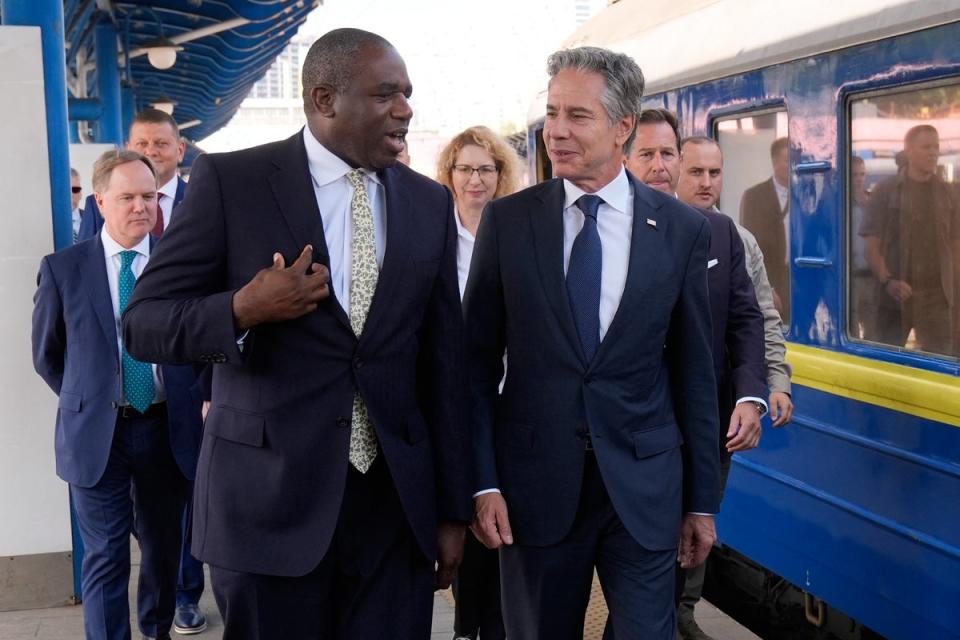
760,401
242,339
480,493
697,513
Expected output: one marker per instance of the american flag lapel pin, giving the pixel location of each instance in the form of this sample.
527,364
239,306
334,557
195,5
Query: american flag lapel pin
652,222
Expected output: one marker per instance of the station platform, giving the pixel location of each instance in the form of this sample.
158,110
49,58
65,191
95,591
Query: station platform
66,623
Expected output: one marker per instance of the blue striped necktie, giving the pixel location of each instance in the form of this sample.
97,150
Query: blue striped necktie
138,387
583,277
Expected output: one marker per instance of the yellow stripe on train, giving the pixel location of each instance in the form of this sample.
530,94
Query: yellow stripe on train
934,396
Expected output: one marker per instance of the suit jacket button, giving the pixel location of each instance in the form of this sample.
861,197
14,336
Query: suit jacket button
114,405
343,422
357,363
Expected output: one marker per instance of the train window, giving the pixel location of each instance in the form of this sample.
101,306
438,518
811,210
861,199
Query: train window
904,219
756,190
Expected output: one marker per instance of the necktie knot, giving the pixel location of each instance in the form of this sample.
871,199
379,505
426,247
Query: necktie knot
126,258
355,178
589,205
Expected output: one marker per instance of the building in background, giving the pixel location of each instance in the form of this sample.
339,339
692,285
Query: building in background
482,70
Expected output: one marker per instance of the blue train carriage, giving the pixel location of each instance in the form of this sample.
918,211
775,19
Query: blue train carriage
846,523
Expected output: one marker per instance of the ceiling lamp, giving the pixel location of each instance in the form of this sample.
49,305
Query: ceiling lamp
165,104
162,52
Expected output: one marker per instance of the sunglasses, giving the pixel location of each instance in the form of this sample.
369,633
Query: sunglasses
76,189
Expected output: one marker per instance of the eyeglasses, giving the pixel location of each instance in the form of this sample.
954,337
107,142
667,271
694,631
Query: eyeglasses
76,189
484,170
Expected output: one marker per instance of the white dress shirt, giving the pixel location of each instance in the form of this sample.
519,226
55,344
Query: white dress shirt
169,193
465,242
334,194
615,224
111,254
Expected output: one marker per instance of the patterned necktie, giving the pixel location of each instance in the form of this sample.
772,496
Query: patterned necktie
138,386
158,227
363,282
583,277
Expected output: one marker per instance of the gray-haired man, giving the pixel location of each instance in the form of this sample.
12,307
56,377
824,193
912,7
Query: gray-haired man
596,286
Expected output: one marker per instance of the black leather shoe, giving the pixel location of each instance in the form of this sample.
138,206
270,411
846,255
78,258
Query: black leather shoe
189,620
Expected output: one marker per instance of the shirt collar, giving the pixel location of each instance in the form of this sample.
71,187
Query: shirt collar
111,247
782,191
615,193
325,166
170,188
462,231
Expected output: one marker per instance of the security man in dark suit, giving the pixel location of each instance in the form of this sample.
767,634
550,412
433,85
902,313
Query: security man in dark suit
601,452
321,275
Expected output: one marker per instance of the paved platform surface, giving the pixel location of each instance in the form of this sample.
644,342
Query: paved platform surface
66,623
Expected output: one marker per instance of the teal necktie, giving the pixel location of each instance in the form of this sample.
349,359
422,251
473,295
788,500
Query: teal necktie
138,386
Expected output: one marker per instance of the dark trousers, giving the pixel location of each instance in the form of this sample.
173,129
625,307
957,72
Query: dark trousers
477,592
546,589
190,578
374,581
692,579
141,480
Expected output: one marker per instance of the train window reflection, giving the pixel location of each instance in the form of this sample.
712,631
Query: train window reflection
756,190
904,217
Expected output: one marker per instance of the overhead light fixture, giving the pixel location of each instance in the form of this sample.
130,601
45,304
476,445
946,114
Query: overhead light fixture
165,104
162,52
188,124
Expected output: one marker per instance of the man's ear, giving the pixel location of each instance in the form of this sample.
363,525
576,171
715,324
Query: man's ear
323,98
625,127
98,197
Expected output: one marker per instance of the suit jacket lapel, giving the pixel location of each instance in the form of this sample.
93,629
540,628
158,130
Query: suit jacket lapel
93,272
293,190
547,223
646,246
181,192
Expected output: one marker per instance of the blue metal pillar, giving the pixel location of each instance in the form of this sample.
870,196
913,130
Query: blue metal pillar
48,15
129,102
110,125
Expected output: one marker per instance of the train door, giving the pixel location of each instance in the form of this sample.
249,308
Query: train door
756,190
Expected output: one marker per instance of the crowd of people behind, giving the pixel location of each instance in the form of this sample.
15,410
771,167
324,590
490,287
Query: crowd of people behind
340,421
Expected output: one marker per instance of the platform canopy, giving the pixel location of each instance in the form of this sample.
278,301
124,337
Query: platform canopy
225,47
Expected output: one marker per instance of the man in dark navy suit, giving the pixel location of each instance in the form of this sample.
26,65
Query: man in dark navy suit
601,452
127,432
155,134
737,322
321,274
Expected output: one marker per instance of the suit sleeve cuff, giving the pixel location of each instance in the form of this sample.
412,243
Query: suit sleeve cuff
480,493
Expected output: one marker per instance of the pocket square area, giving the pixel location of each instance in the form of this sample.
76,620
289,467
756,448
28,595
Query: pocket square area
712,263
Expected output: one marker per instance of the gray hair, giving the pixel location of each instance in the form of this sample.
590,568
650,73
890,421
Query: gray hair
74,173
624,79
110,160
332,59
